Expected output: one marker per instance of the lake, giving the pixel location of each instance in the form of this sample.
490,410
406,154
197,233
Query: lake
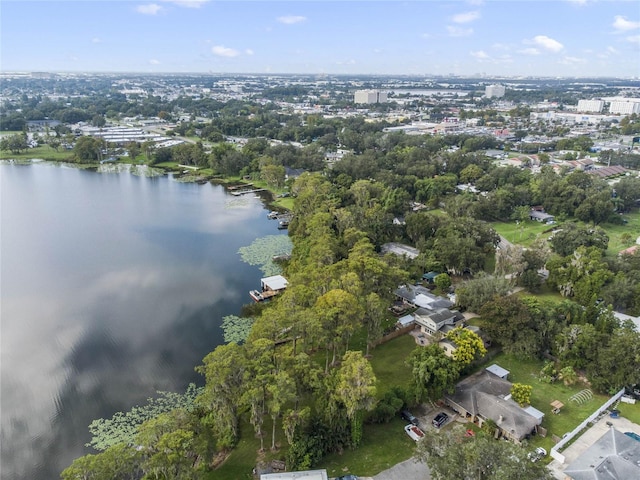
113,286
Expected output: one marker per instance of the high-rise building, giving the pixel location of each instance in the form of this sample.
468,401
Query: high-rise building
370,96
594,106
625,107
494,91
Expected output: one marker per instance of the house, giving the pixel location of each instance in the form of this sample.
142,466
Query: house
275,283
430,277
432,322
614,456
400,249
541,217
306,475
419,296
485,396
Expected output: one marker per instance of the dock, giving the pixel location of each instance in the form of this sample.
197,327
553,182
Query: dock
237,193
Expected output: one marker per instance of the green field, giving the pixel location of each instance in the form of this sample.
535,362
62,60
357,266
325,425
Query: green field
43,152
523,233
623,236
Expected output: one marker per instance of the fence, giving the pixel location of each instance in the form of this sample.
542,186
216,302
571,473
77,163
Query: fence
392,335
555,451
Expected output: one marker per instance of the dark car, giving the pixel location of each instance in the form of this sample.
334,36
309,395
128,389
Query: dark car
440,419
409,417
347,477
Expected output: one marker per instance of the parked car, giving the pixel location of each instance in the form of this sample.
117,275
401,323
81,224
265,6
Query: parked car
347,477
409,417
440,419
414,432
537,454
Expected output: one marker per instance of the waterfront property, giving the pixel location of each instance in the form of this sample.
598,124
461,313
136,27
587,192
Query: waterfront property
270,286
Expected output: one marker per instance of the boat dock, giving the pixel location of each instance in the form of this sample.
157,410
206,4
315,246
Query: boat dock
237,193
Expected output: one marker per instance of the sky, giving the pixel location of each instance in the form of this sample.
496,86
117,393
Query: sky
551,38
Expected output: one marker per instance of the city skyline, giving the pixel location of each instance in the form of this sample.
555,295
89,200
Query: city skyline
563,38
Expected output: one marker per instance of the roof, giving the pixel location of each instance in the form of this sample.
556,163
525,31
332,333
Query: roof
540,215
506,413
498,370
629,251
609,171
406,320
306,475
482,381
614,456
276,282
400,249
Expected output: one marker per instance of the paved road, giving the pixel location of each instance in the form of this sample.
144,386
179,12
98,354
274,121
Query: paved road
407,470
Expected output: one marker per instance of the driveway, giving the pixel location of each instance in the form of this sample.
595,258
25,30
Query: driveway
408,470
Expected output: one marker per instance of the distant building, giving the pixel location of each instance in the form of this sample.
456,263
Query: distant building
625,107
494,91
370,96
593,106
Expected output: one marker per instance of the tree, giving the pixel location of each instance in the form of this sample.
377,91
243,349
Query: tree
568,375
469,346
443,282
14,143
356,390
521,393
117,462
572,236
280,390
88,149
617,364
452,455
224,371
433,373
473,294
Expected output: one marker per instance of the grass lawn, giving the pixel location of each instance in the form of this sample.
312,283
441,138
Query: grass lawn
630,412
526,371
242,460
617,233
382,447
43,152
388,360
523,233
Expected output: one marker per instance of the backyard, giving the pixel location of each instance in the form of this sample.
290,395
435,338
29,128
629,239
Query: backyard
526,371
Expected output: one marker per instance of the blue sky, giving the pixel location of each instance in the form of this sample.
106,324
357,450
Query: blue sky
465,37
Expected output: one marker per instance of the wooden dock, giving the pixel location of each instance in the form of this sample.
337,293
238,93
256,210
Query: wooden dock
237,193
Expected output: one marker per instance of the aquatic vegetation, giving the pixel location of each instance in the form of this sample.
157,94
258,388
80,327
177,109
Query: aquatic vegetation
236,329
263,249
123,426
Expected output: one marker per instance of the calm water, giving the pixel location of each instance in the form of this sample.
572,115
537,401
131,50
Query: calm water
112,287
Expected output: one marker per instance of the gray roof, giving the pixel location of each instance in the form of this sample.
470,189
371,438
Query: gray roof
615,456
483,394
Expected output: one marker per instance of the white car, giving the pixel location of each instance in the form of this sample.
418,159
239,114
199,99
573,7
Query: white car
414,432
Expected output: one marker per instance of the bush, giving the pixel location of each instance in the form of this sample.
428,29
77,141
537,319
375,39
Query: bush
387,408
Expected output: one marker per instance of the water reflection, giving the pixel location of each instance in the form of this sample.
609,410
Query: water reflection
113,287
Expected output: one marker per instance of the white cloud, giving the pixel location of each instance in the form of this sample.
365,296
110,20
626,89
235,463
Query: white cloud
223,51
480,55
458,31
571,60
348,62
465,17
634,39
530,51
579,3
248,51
149,9
291,19
476,3
426,35
153,61
621,24
96,40
546,43
188,3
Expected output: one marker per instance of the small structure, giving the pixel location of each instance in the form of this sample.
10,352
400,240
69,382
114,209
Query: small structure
400,249
614,456
556,405
429,277
541,217
405,321
270,286
498,371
